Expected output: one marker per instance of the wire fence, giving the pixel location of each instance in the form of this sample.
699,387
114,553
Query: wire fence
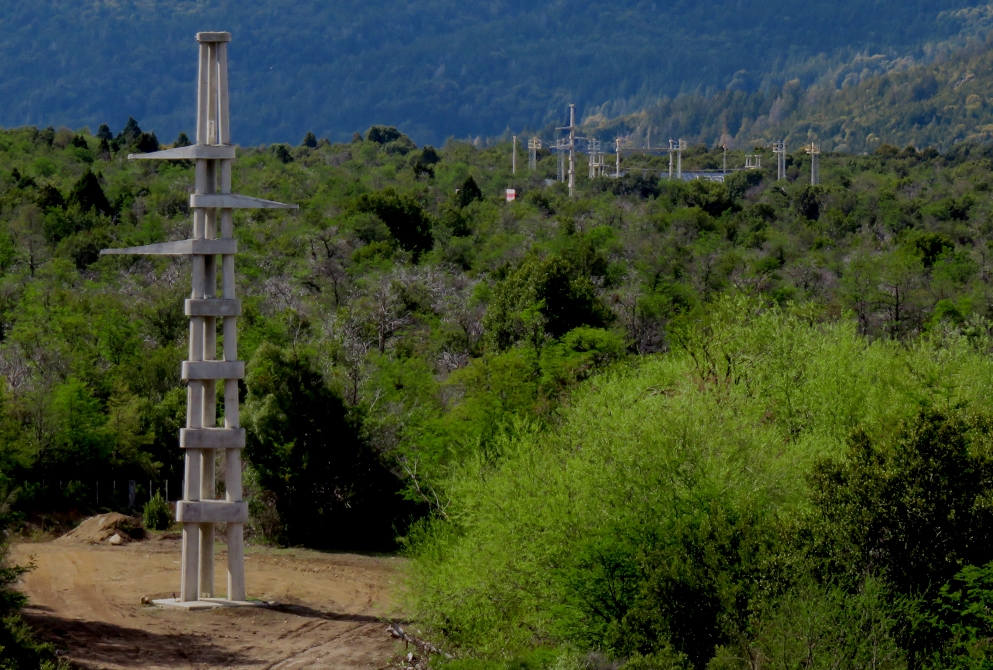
101,493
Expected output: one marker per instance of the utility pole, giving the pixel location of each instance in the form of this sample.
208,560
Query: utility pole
513,157
815,164
617,158
572,149
779,148
725,159
202,440
571,146
676,147
533,145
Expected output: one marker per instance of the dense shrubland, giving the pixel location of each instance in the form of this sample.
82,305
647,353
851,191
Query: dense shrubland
775,491
667,423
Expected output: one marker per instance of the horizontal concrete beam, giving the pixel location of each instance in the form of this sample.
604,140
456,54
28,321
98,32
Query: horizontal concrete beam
179,248
211,511
235,201
213,307
192,152
213,370
212,438
213,37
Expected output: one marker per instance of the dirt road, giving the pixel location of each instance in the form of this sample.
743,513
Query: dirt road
86,600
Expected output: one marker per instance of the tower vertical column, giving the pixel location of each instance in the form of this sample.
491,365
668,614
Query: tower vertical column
207,474
232,418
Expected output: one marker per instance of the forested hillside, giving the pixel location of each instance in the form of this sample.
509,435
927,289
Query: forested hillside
651,424
936,105
434,69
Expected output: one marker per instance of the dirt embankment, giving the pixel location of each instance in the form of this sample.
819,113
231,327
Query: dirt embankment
85,599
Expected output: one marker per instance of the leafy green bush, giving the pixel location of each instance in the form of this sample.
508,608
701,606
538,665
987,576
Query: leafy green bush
669,508
156,514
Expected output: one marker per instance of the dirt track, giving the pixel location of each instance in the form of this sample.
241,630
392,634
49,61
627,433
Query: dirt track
85,599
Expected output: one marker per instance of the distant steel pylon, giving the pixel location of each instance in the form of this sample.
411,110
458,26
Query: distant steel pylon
779,148
534,144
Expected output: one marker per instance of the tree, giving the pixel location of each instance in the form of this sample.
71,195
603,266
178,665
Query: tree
28,233
49,197
309,140
281,152
468,193
912,510
129,133
542,297
103,132
87,194
382,134
409,224
330,489
182,141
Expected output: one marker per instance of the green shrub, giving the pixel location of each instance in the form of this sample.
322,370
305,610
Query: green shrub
668,508
156,514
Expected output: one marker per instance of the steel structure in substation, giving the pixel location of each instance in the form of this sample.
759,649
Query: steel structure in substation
202,440
534,144
779,148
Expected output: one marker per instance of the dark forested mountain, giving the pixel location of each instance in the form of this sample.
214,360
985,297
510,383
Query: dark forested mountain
433,68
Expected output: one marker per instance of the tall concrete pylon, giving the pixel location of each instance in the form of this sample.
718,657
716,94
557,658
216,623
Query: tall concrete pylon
203,440
571,146
815,163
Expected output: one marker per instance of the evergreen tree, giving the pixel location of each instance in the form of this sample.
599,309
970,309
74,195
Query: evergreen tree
103,132
129,134
88,194
469,192
147,143
309,140
49,197
182,141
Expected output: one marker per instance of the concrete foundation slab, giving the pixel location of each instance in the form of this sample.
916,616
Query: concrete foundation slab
208,603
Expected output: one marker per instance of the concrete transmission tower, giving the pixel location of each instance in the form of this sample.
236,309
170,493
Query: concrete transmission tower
753,162
815,164
203,440
513,157
571,146
677,147
533,145
560,147
779,148
617,158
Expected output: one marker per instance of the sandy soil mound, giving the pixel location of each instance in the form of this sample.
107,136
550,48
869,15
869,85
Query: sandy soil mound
98,529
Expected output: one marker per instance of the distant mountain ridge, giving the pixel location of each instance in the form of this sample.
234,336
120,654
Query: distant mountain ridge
434,68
